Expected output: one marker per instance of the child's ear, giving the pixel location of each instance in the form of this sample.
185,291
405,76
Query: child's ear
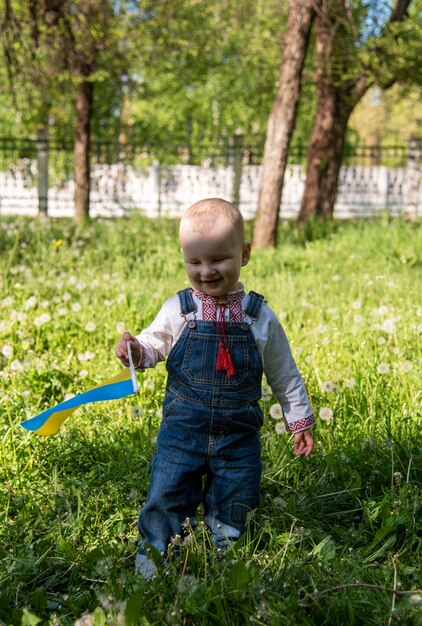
246,253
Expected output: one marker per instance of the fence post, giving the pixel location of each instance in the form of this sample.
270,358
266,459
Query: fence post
413,174
157,178
42,168
237,165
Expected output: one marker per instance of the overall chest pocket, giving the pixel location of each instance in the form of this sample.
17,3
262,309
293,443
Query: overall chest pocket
200,359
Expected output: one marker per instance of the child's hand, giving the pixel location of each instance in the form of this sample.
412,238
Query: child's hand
121,349
303,443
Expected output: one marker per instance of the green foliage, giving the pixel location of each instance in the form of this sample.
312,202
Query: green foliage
205,70
187,73
335,532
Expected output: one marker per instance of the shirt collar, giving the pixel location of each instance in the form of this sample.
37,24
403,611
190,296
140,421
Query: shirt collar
233,296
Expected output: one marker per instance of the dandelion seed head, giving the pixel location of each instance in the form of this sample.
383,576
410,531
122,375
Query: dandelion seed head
280,427
42,319
321,328
356,305
86,356
84,620
327,386
90,327
350,383
279,503
30,303
383,368
18,316
5,327
276,411
388,326
16,366
137,410
382,310
326,414
76,306
406,366
7,351
381,341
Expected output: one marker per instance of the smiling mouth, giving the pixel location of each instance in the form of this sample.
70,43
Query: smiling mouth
211,282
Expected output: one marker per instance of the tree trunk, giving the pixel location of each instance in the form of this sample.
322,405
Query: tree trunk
282,120
325,155
338,92
81,149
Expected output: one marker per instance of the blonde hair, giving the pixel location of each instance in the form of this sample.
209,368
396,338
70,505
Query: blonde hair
205,214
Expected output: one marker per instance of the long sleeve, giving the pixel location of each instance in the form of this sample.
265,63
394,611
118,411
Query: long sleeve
281,371
160,336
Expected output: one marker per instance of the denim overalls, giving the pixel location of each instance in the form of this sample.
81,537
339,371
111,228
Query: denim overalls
208,446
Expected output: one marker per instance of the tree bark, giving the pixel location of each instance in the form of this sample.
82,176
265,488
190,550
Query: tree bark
282,120
336,98
81,148
324,157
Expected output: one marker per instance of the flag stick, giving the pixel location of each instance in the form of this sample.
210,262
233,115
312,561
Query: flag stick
132,370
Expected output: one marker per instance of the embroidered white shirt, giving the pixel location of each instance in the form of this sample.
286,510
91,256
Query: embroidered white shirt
280,368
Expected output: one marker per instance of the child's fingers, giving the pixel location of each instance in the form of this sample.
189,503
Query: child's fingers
121,348
303,444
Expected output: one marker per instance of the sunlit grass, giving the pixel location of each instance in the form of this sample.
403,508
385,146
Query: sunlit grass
336,533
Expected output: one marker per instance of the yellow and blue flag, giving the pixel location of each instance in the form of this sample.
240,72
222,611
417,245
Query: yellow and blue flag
48,422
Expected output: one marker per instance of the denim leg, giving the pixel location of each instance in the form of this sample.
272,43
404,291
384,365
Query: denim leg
232,488
175,492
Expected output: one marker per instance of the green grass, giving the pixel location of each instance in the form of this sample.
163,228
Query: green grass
336,533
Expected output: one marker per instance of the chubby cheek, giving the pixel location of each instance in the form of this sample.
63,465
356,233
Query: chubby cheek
193,276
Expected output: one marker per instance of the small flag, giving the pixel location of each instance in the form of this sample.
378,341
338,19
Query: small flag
123,384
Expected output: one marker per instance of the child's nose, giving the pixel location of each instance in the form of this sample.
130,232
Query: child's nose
208,270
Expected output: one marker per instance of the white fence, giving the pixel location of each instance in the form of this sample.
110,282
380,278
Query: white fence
155,190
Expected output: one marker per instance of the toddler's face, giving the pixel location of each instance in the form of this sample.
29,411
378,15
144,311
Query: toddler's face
213,260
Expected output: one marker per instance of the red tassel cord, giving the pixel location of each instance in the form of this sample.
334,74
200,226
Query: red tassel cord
224,360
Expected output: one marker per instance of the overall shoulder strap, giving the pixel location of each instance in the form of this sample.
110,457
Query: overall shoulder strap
254,304
187,303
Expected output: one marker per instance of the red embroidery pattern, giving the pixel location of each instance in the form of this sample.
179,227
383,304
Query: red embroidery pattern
210,306
302,424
